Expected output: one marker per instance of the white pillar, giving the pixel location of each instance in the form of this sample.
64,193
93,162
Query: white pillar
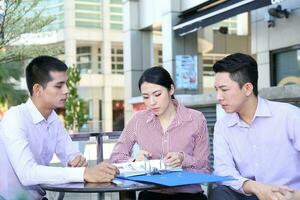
69,33
173,45
137,52
107,116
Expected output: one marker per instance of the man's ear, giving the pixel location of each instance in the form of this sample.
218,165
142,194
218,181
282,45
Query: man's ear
37,89
248,88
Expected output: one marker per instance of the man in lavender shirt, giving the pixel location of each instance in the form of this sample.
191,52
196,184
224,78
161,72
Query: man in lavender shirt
257,141
31,133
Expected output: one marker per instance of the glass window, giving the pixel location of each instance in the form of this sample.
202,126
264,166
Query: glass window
117,60
158,56
116,9
86,24
118,115
286,67
116,26
83,59
116,1
87,7
99,62
87,16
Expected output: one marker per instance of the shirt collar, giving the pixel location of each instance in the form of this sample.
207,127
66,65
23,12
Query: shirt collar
37,117
181,113
262,110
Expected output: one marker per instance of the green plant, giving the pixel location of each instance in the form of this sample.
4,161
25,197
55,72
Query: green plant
75,113
21,22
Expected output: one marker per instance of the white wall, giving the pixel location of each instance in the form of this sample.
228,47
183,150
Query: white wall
264,39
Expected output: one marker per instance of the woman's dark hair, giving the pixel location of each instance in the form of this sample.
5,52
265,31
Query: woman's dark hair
242,69
38,70
157,75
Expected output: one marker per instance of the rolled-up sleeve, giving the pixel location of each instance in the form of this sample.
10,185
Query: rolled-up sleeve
123,147
223,160
65,149
198,161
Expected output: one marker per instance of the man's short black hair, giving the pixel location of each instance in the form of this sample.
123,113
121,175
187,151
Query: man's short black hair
242,69
38,70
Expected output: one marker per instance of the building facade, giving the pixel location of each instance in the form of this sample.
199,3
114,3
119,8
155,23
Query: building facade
90,32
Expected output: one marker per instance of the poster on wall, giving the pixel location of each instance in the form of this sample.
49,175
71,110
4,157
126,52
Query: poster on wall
186,72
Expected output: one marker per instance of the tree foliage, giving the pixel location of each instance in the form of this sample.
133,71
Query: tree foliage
21,21
75,113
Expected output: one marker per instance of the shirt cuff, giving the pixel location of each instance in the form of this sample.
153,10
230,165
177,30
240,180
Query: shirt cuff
237,185
74,174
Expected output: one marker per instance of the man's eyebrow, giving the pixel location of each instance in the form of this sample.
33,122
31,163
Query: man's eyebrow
60,82
221,86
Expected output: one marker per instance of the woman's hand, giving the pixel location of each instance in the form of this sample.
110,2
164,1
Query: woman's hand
174,159
143,155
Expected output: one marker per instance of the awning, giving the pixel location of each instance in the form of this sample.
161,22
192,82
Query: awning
207,14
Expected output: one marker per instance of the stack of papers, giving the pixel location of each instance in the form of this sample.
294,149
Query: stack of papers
129,169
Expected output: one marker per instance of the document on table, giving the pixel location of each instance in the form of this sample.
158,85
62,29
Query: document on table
129,169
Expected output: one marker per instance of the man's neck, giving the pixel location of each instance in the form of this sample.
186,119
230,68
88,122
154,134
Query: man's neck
41,108
248,110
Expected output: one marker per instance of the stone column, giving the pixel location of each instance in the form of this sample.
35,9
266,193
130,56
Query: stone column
69,33
173,45
107,114
137,52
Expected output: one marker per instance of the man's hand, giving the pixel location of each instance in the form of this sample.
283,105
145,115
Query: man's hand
101,173
174,159
78,161
142,155
290,195
266,192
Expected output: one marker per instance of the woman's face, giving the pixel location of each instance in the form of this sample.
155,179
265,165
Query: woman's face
156,97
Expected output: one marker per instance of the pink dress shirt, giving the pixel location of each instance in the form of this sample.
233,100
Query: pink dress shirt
187,133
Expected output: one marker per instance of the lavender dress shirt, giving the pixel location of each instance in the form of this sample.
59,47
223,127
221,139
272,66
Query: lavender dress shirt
27,145
267,150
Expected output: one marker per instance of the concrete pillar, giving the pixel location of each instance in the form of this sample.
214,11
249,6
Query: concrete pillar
94,59
69,33
175,45
107,114
137,52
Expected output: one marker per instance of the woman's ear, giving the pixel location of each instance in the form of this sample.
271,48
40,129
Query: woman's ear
172,90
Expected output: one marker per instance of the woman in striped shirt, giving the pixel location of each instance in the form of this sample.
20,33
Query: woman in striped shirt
168,130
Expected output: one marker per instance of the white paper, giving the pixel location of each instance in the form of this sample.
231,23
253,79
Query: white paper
142,167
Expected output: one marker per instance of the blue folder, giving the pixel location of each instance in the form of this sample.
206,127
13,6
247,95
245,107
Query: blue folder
180,178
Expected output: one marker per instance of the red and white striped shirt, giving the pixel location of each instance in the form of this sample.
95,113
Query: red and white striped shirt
187,133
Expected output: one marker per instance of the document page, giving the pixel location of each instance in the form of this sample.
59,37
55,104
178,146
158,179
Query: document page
128,169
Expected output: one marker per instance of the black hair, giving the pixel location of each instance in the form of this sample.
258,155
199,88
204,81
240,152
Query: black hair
157,75
38,70
242,69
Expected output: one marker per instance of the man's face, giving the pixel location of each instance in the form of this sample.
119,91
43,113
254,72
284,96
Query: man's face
229,94
55,94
